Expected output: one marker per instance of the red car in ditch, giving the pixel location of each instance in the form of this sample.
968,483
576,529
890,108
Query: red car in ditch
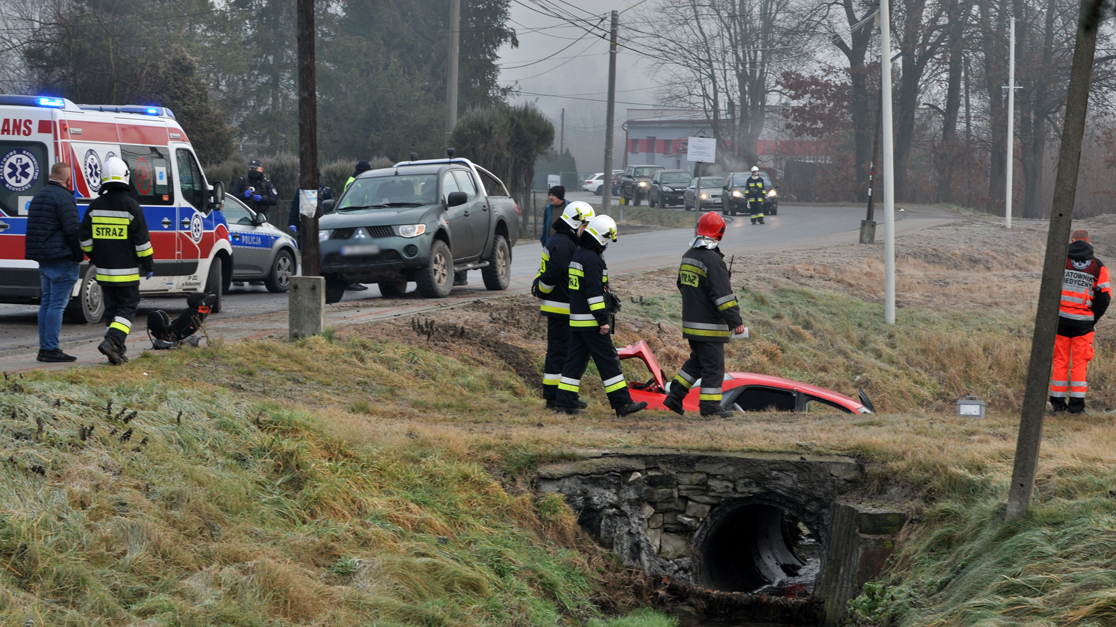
742,391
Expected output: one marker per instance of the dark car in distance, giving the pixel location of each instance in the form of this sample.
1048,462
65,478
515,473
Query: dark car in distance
635,181
668,188
735,193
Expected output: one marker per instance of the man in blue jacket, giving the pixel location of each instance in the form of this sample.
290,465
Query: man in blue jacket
52,240
554,208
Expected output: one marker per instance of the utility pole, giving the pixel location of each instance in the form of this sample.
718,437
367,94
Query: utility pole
888,163
308,132
451,66
606,192
1011,124
1053,267
868,225
562,134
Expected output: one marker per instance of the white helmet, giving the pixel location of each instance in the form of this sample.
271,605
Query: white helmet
603,229
576,213
755,169
115,173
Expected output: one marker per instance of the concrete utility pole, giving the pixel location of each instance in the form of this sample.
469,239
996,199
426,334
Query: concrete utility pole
1054,265
1011,123
308,132
451,66
888,163
562,134
606,193
868,225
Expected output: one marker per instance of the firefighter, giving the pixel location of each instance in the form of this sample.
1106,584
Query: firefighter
591,309
1086,294
755,193
550,286
114,235
255,190
710,314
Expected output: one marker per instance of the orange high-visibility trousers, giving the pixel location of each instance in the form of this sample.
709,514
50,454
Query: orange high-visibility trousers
1071,364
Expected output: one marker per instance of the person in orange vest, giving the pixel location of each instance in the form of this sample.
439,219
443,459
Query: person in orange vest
1086,294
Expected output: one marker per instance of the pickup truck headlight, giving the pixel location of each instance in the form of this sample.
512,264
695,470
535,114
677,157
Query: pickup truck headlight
736,194
705,196
324,235
771,194
411,230
643,183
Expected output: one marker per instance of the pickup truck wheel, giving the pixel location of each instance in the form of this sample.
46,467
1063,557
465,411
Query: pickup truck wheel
89,306
214,284
497,273
392,289
335,289
282,269
436,279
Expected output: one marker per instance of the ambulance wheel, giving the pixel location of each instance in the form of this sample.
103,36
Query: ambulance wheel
282,269
89,306
392,289
335,289
214,284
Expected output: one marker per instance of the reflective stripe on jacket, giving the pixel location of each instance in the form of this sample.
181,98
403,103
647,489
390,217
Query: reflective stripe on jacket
552,280
114,235
709,308
587,284
1086,291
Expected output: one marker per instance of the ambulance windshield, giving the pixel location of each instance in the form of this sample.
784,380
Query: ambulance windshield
390,191
24,170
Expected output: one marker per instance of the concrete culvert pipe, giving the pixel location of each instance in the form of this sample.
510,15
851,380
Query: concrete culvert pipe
748,548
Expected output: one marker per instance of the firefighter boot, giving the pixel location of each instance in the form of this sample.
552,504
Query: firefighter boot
114,353
723,413
674,405
1058,405
630,408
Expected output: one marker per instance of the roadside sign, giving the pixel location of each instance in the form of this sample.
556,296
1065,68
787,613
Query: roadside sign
553,179
703,149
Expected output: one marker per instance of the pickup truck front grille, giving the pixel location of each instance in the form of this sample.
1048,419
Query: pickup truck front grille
374,231
387,257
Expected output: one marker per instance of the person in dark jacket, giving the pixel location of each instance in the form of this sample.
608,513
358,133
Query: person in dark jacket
755,193
361,166
255,190
52,240
294,219
114,235
550,286
1086,294
591,324
710,313
556,206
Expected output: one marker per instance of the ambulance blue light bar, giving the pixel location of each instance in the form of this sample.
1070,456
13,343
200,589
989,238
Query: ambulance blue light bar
57,103
134,109
33,101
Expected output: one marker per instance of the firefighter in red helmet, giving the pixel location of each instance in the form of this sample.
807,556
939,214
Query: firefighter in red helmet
710,315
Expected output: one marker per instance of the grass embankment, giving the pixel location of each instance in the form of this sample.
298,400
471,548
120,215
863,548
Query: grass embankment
649,216
384,476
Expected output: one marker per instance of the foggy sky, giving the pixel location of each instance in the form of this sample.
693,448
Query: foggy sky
578,84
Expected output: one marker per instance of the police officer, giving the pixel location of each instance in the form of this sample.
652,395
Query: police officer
755,194
255,190
361,166
550,286
590,324
114,235
710,313
1086,294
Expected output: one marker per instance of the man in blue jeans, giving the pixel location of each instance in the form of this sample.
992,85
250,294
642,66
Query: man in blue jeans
52,240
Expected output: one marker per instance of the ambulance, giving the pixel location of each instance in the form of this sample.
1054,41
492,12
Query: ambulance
188,231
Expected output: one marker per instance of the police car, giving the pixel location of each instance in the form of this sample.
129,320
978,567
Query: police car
261,252
189,236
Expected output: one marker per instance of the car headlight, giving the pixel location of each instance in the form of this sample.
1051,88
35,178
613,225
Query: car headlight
643,183
324,235
411,230
771,194
705,196
736,194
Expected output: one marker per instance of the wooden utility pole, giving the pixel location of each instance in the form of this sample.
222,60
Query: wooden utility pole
1054,265
308,133
606,192
562,135
451,66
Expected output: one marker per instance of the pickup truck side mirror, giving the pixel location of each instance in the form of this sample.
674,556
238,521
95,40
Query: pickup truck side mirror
326,206
456,198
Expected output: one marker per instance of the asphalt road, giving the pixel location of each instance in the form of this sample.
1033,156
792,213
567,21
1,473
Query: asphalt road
251,311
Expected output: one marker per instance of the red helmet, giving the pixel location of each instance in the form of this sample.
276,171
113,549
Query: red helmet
711,225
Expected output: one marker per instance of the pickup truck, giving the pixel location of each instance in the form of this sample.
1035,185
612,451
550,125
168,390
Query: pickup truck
422,221
635,182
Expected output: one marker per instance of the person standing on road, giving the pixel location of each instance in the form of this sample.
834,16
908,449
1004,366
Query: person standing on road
710,314
1086,294
755,193
294,218
557,205
114,235
52,240
255,190
591,323
550,286
361,166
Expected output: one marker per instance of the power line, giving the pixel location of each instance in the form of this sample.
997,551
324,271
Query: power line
531,93
568,46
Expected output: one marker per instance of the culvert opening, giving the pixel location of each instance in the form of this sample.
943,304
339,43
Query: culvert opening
759,548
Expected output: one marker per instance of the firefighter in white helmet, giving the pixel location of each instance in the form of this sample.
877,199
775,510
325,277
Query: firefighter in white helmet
550,286
592,311
114,235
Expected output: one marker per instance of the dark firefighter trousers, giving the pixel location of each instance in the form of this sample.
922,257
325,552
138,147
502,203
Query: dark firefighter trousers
120,310
707,362
755,209
557,347
585,344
